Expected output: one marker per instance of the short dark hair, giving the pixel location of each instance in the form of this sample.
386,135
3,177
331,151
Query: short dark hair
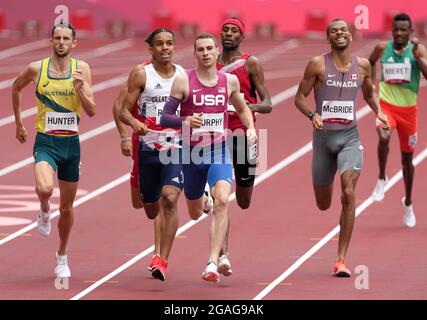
150,38
64,25
328,28
402,17
205,36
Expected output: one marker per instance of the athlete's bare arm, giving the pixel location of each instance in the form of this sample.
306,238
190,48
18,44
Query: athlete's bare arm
256,72
375,56
368,90
126,143
180,88
83,84
240,105
420,54
313,75
136,84
30,74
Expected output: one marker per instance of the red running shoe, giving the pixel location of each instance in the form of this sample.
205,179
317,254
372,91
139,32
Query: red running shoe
340,270
159,271
154,262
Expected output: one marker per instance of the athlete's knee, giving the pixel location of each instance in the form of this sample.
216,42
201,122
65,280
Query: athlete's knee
169,200
66,210
45,191
347,195
221,201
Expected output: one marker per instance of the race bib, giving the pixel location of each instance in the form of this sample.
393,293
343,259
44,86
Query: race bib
338,111
61,122
159,111
212,122
397,72
230,107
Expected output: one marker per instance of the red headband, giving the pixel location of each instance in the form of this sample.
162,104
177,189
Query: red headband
236,23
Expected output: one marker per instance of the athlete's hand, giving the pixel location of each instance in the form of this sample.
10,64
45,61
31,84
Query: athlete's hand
139,127
252,136
317,121
78,79
383,118
21,134
126,147
415,42
195,121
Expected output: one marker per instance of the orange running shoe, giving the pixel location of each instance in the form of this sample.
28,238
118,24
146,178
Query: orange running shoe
154,262
159,271
340,270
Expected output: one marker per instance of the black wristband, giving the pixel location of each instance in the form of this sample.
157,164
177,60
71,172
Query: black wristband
311,114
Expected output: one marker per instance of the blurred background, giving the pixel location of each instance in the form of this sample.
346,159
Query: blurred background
263,18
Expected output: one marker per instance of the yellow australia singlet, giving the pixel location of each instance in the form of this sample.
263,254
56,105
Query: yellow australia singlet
58,104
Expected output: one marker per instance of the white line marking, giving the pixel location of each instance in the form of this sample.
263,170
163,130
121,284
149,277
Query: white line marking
368,202
278,50
6,83
24,114
77,203
109,48
24,48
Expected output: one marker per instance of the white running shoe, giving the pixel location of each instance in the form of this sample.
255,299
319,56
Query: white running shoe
409,219
208,205
211,272
378,193
62,270
43,223
224,266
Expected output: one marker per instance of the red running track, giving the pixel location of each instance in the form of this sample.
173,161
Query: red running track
280,227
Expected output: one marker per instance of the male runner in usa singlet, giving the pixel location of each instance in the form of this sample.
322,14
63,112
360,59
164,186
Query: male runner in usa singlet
203,93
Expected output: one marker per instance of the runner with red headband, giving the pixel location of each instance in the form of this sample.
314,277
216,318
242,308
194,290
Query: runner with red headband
250,73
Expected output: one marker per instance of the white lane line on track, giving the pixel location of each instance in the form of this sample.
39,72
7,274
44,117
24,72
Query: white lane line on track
77,203
359,210
107,49
24,48
278,50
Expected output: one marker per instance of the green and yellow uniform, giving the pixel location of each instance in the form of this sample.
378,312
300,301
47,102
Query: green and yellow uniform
58,115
